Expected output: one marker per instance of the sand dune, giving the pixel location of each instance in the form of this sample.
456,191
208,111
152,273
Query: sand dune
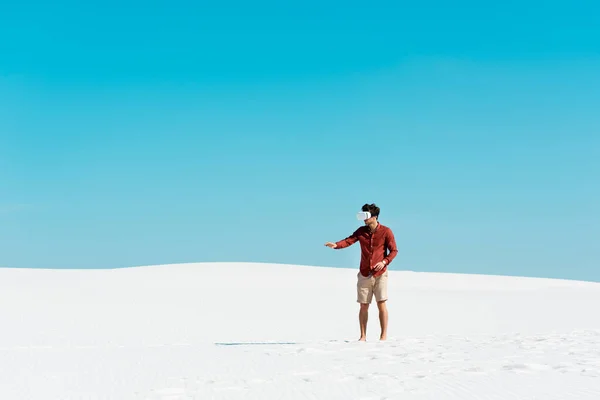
266,331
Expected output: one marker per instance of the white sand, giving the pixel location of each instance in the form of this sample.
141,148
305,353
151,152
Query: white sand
260,331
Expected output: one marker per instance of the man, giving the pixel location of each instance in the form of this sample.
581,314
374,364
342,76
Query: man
375,240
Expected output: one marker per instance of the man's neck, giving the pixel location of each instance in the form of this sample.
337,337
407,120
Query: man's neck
373,226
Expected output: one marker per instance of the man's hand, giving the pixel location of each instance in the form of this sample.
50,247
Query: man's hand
331,245
379,266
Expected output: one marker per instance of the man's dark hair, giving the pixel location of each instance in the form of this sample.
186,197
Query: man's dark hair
372,208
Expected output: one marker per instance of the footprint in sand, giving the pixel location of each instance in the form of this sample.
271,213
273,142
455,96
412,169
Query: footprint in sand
525,368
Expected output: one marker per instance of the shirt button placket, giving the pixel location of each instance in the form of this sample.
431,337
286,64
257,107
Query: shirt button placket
371,254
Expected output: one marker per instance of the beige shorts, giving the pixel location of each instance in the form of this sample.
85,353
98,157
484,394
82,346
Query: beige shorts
369,286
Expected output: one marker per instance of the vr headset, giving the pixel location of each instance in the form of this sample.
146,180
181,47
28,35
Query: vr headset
363,215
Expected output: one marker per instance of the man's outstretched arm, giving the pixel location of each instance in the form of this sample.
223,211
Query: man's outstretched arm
349,241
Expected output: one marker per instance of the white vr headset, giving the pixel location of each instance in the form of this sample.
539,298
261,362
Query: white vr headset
363,215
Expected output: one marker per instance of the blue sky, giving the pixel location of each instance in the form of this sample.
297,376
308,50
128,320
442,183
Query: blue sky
147,133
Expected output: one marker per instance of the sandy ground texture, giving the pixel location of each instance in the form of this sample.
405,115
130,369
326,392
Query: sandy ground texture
267,331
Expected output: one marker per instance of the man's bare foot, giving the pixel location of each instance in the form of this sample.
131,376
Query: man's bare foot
383,337
362,339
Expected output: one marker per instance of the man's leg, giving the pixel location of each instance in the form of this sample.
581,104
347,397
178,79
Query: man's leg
363,317
383,319
381,296
364,296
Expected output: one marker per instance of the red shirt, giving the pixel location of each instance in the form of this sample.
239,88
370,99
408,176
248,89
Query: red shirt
374,247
